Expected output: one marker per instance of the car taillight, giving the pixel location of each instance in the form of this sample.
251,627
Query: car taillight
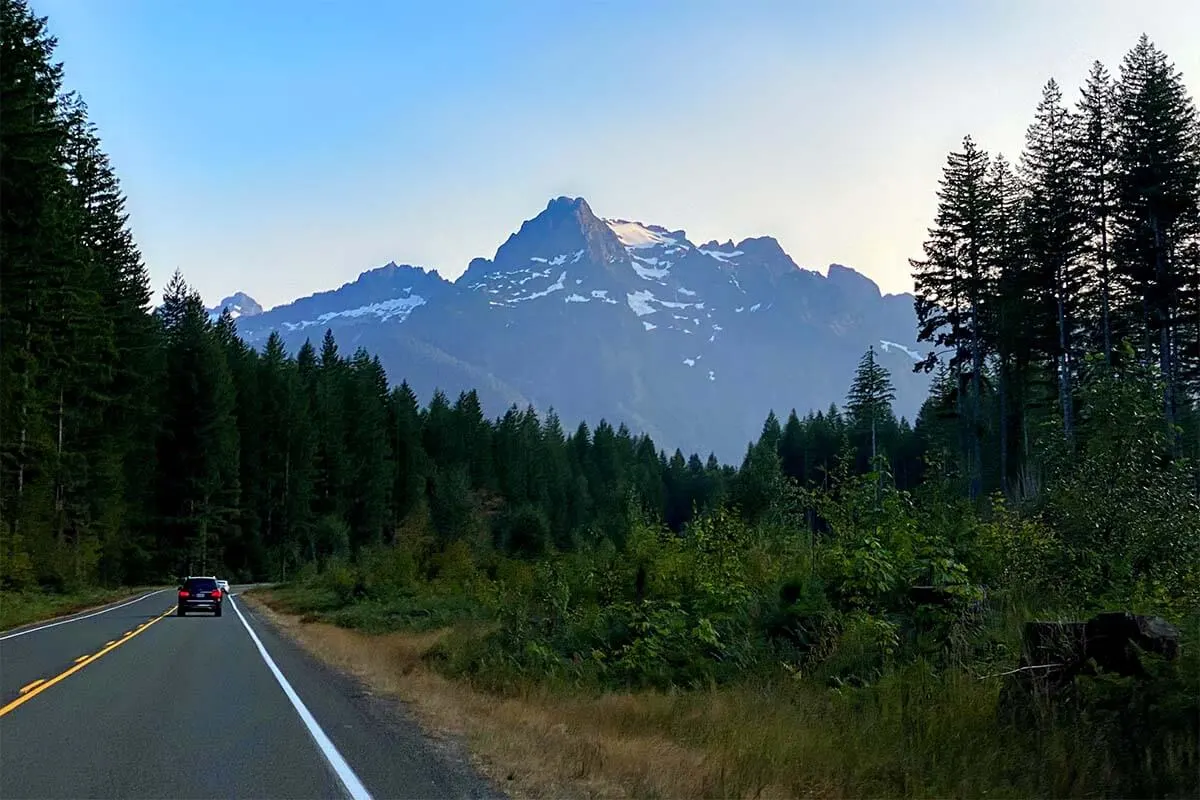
217,593
183,593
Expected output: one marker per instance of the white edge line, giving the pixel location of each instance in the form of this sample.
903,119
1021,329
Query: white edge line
346,775
78,619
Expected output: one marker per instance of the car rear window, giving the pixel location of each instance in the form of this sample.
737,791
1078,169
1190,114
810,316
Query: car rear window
200,585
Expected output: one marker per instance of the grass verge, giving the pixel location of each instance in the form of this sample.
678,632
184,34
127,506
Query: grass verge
23,608
533,744
915,734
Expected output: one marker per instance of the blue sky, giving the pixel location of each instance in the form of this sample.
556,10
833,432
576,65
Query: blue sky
282,148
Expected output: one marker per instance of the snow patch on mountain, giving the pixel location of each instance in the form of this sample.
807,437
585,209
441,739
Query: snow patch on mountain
640,301
651,269
397,309
636,235
557,286
721,255
886,346
561,258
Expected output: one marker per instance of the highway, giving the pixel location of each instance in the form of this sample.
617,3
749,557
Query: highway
131,701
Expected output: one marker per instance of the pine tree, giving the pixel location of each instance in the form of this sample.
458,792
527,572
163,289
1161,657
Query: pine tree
36,245
954,284
793,449
760,477
198,449
369,467
1094,143
408,456
1055,227
869,403
1158,192
333,471
1009,310
471,440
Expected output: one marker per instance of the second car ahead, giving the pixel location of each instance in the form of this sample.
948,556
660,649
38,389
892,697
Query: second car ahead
200,594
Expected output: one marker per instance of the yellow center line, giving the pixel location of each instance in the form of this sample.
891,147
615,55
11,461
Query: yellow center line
37,687
114,641
29,686
83,657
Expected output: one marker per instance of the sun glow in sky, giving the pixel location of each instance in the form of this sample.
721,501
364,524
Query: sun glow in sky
282,147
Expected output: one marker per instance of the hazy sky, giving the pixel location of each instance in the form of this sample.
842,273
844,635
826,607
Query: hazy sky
282,147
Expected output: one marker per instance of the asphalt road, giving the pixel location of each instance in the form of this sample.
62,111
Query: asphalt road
134,701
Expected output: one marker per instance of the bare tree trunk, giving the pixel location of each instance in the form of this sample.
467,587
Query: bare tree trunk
1064,356
19,510
1165,363
1105,274
872,438
287,486
1002,402
976,408
1064,375
59,494
1105,281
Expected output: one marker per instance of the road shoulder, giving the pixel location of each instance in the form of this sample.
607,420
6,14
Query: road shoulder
357,717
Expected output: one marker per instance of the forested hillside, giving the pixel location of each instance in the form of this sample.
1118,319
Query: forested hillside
1051,474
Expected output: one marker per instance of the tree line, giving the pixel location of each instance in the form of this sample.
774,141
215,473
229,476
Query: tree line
1084,255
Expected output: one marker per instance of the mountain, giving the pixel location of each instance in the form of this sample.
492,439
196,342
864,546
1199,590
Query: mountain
630,322
239,304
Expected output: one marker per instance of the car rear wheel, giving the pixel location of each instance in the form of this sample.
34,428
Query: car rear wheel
181,612
218,611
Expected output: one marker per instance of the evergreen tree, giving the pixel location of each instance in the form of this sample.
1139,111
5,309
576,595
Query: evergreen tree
333,471
954,284
793,449
1157,187
198,449
1055,225
36,245
1011,267
369,468
408,456
869,403
1094,143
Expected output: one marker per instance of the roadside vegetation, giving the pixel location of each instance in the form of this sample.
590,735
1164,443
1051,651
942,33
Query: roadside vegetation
839,615
768,659
24,607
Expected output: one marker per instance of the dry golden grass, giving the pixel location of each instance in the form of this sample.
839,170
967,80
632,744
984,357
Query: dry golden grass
547,744
916,734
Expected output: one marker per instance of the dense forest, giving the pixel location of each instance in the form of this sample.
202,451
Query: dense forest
1052,471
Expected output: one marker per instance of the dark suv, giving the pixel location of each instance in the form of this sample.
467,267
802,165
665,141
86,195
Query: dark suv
200,594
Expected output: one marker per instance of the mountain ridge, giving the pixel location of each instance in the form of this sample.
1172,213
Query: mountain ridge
629,321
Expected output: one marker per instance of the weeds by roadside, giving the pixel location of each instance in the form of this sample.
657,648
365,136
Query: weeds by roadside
916,731
23,608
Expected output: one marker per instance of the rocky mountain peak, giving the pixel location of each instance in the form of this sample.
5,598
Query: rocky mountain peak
564,228
239,304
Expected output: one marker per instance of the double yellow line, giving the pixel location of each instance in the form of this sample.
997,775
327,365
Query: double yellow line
37,687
